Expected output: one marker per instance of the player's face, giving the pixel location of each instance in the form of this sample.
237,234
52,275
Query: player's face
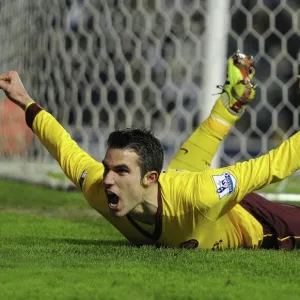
122,180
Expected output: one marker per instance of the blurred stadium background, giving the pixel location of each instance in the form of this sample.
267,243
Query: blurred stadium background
97,65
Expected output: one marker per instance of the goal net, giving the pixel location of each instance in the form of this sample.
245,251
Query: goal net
97,65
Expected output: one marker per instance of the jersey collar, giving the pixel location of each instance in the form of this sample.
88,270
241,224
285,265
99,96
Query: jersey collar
158,222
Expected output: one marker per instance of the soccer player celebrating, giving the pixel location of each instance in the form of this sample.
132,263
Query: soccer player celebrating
211,209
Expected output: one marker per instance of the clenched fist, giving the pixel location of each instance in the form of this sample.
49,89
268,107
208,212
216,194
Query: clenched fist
12,86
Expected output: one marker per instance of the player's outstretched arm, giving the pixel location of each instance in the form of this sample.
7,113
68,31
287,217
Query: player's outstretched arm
198,151
72,159
217,191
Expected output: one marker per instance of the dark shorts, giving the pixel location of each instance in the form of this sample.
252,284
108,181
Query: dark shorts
281,222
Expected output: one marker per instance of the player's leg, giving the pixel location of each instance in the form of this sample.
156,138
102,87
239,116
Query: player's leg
281,223
198,151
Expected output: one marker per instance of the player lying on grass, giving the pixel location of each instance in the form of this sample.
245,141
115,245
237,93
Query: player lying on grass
177,209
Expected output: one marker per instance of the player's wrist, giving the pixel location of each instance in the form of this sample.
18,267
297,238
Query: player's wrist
29,103
22,102
31,112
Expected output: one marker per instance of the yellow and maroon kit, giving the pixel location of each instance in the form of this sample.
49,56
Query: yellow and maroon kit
197,209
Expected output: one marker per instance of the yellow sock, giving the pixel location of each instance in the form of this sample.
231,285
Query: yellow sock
198,150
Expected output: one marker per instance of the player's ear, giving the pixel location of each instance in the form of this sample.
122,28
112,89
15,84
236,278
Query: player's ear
149,178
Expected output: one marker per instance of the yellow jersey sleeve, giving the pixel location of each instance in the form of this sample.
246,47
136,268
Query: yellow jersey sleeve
72,159
216,191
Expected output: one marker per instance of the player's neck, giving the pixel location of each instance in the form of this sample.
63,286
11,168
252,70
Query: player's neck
146,211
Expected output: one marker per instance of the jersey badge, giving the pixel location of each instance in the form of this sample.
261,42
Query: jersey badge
225,184
82,177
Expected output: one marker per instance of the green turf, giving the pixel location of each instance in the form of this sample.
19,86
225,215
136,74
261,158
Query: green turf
20,195
290,186
56,175
48,254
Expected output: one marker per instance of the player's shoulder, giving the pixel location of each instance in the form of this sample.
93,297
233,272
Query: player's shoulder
92,173
182,178
176,186
174,172
174,175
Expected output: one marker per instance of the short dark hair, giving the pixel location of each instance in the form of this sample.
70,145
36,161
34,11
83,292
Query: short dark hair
144,143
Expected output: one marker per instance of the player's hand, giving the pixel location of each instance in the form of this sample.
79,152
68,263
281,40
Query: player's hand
12,86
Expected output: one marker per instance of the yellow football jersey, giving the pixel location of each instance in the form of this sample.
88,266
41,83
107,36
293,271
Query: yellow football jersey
195,209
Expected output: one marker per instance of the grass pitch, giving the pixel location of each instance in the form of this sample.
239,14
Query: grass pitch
53,246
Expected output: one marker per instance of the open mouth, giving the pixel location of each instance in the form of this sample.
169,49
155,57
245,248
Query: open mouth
112,199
